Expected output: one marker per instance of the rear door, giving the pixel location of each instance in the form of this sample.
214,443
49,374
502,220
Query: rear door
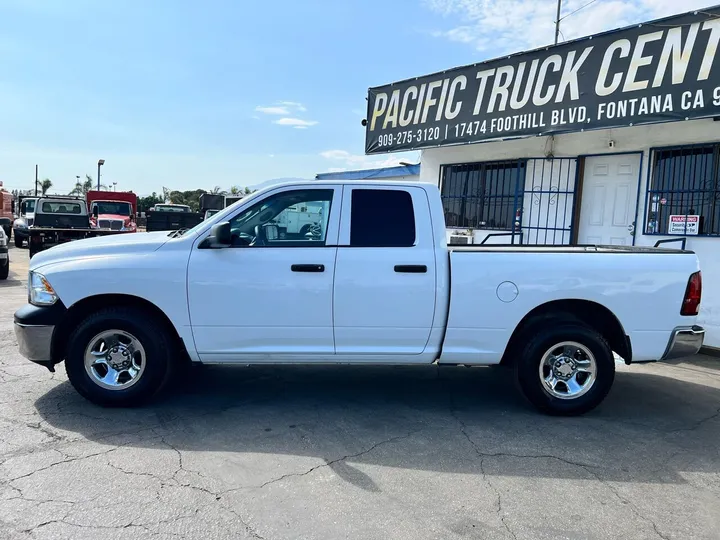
384,291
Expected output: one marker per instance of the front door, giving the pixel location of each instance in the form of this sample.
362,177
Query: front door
268,297
609,198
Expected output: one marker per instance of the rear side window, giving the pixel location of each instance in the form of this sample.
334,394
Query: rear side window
382,218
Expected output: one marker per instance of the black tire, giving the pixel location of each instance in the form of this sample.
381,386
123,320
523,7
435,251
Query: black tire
5,270
152,335
18,241
531,355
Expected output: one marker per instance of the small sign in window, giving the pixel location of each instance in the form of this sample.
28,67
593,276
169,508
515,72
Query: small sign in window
684,225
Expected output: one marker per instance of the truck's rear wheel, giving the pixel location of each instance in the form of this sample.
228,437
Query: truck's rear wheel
119,357
18,241
5,269
566,369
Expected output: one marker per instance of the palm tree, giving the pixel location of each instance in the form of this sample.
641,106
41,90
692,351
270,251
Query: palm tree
45,185
81,188
234,190
217,190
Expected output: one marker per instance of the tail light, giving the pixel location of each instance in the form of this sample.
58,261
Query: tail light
693,293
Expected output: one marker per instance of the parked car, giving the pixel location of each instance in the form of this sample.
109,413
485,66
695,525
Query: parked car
376,285
4,255
25,219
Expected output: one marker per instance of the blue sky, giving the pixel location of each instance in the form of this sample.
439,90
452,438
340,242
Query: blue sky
187,94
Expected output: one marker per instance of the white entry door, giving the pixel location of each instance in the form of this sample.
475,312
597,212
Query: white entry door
609,197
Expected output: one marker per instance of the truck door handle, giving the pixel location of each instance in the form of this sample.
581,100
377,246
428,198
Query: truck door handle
411,268
308,268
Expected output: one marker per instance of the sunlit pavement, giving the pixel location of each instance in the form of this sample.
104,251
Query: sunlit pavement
357,453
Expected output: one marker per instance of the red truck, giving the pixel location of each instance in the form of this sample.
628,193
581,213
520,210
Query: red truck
112,210
6,213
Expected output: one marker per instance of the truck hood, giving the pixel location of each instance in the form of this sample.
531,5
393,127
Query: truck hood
101,246
114,216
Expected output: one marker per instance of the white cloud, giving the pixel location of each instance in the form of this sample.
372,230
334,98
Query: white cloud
359,161
509,26
272,110
282,108
293,105
295,122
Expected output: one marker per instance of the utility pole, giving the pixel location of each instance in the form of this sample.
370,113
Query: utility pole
557,22
36,179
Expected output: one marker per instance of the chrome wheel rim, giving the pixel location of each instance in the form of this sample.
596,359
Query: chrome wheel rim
115,360
568,370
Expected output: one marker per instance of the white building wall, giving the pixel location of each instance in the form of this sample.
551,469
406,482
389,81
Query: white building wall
629,139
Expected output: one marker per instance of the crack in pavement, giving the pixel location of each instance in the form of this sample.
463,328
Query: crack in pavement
499,509
331,462
586,467
697,424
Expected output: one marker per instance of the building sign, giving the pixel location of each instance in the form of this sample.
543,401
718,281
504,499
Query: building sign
654,72
684,225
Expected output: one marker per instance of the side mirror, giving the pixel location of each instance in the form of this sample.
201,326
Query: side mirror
96,211
220,237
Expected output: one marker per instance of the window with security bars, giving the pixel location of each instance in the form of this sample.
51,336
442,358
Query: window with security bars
684,192
482,195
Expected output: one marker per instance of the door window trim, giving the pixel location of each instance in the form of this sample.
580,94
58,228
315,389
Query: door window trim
333,223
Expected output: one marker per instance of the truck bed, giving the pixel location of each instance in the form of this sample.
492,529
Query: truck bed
565,249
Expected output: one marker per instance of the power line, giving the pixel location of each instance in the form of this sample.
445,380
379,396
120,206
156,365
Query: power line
578,9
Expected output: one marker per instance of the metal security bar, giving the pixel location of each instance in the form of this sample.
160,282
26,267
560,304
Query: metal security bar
683,196
532,199
482,195
549,201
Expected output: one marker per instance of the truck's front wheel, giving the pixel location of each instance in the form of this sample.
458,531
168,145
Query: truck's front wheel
119,357
566,369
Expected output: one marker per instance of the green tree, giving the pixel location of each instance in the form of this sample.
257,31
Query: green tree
217,190
248,191
234,190
146,203
81,188
45,185
190,198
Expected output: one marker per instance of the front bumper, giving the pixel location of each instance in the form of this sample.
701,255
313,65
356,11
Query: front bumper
34,329
35,342
684,341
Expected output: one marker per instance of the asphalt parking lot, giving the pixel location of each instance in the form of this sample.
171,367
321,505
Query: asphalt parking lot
358,453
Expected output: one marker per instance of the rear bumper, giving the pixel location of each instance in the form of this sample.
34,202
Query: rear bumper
684,341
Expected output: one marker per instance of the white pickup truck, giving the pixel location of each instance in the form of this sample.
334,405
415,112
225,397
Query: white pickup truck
376,285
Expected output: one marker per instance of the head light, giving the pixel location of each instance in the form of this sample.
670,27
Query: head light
40,292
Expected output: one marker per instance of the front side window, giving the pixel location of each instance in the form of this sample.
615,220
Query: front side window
291,218
684,193
382,218
28,206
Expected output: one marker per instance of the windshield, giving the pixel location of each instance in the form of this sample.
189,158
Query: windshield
170,208
113,207
61,207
